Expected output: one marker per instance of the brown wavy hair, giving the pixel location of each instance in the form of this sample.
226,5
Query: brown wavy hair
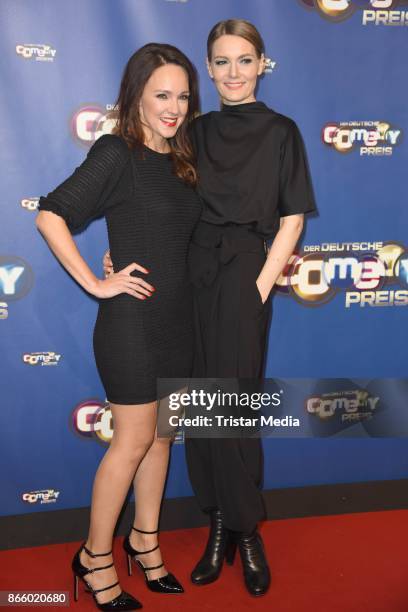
137,72
236,27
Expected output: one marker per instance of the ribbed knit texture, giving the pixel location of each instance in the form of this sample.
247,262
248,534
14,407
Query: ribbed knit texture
150,215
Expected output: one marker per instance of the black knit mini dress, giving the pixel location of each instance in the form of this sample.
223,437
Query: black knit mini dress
150,215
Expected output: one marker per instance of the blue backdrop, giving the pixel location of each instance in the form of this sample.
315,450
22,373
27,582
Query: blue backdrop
337,68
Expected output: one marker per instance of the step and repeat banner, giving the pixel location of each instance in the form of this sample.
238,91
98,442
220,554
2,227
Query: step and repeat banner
338,68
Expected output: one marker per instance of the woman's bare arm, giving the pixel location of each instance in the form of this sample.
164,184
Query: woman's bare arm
59,238
281,249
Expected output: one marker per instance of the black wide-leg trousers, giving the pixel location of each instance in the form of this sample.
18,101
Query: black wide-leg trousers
231,331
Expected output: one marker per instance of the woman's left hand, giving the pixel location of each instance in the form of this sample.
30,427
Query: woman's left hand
263,292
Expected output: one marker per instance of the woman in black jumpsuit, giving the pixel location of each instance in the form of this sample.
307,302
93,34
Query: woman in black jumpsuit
252,171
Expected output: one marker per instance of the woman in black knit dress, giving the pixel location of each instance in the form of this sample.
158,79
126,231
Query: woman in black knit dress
142,180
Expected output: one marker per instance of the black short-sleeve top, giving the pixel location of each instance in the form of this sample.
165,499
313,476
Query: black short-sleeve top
252,167
92,189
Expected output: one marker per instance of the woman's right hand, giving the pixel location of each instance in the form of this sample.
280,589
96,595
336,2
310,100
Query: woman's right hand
123,282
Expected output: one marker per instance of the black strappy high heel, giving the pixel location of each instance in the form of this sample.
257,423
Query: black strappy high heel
165,584
123,601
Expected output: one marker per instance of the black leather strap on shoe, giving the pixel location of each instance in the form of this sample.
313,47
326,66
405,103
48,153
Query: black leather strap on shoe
95,591
144,552
93,555
141,530
146,569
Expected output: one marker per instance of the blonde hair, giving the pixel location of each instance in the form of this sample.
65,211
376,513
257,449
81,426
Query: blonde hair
236,27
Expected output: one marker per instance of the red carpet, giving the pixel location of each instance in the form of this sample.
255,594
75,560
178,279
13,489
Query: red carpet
344,563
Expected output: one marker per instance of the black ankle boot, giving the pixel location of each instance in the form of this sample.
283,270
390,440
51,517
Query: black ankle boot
255,565
219,545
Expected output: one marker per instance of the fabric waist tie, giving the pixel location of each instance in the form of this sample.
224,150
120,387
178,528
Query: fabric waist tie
215,245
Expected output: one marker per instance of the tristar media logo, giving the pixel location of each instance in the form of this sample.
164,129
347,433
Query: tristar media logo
89,122
369,138
363,271
373,12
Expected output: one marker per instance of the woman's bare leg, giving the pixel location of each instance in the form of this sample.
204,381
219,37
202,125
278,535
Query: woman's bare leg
148,487
134,427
